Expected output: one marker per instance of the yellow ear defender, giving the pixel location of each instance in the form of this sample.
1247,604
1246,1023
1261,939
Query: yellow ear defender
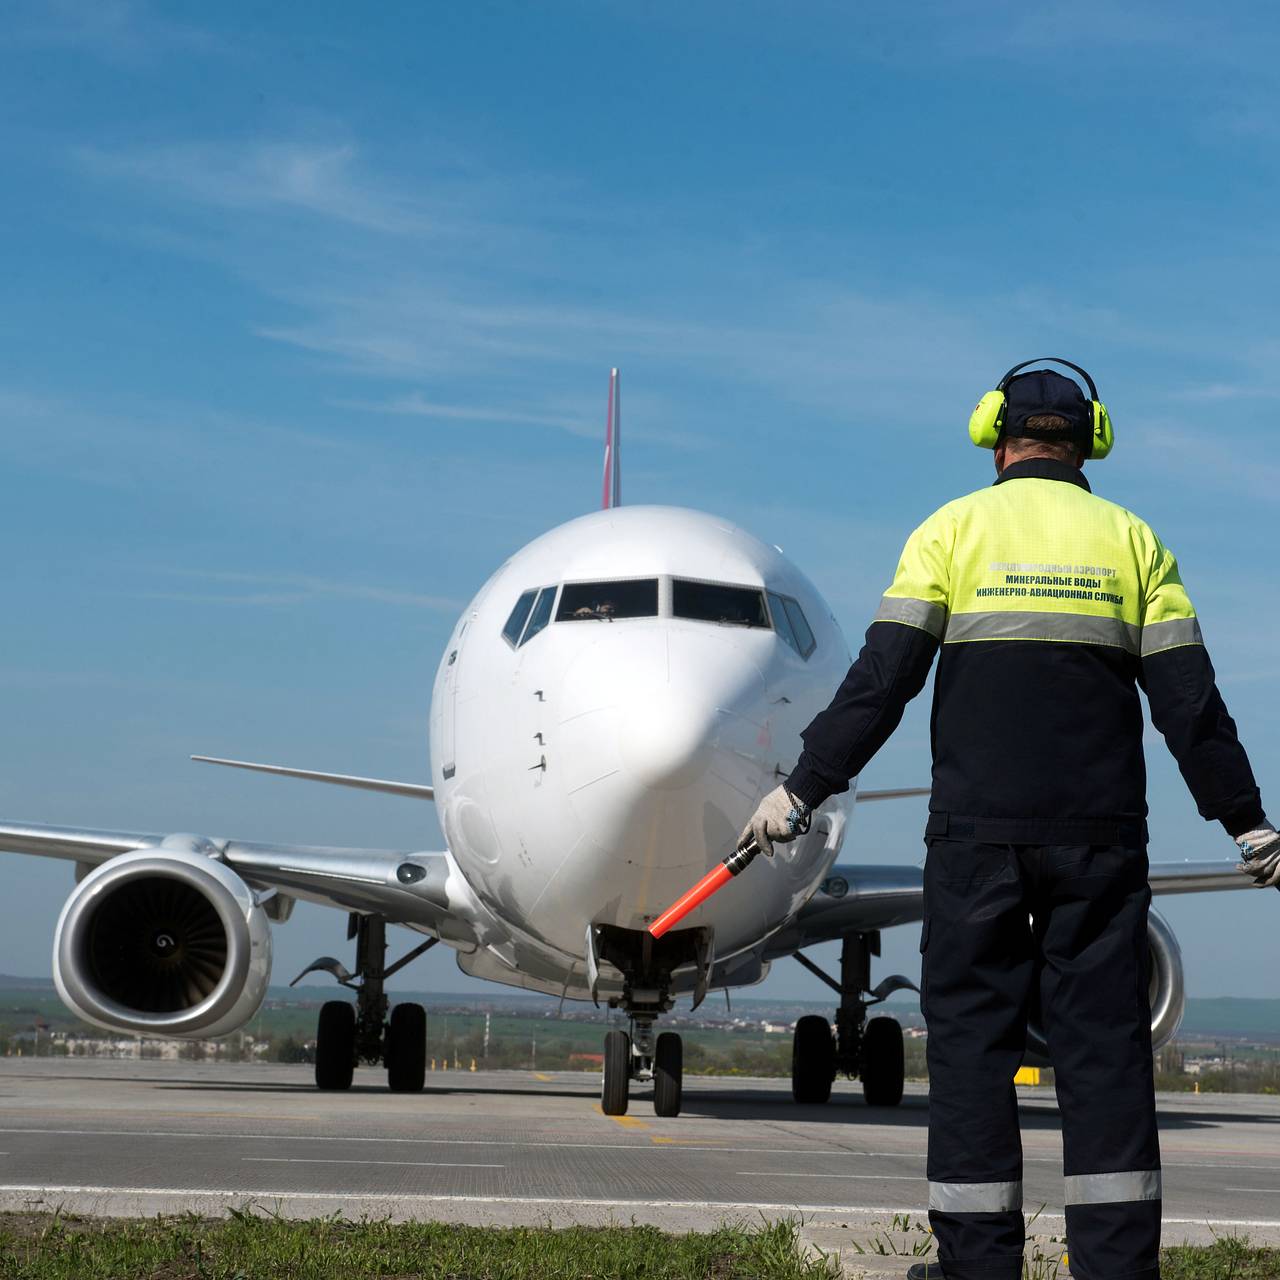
986,423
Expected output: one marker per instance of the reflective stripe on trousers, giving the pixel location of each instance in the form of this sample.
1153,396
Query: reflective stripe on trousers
975,1197
1113,1188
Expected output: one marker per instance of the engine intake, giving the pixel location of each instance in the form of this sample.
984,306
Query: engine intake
165,942
1166,988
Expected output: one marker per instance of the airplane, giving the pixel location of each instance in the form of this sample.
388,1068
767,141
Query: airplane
608,712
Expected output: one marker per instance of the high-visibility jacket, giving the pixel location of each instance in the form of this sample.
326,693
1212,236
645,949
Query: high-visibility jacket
1050,607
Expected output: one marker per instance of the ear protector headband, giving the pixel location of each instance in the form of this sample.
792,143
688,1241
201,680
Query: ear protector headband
986,423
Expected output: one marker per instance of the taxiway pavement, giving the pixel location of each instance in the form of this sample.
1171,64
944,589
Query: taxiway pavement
142,1137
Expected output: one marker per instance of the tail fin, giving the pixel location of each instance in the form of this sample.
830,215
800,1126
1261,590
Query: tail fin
612,495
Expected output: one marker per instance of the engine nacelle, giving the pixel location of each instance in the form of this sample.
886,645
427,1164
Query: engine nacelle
1167,990
163,942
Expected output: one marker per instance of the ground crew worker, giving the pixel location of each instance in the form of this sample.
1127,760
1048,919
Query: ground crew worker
1050,606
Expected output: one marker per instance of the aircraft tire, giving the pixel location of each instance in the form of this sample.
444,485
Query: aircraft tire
668,1074
406,1051
336,1045
883,1067
615,1090
813,1060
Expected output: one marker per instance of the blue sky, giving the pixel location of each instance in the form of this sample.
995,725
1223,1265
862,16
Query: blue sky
308,313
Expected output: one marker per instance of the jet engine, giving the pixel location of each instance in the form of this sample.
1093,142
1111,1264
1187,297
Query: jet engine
163,942
1166,989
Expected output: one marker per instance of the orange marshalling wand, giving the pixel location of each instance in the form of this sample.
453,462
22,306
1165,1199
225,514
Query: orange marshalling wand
737,862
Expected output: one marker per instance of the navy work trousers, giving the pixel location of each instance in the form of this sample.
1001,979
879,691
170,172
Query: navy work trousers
1008,930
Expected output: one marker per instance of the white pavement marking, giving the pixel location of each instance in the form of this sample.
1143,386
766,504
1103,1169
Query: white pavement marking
871,1177
411,1164
241,1197
573,1146
1262,1191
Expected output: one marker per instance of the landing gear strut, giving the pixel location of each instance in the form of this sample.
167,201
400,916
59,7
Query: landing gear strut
867,1047
348,1035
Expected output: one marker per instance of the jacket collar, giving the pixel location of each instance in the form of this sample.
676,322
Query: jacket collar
1044,469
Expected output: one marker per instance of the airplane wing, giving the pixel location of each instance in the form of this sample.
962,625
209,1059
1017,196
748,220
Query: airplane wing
854,899
423,890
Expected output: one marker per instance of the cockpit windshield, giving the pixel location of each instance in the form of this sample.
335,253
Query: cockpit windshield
722,603
608,601
718,602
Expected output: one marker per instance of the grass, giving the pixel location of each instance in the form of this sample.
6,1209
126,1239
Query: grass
246,1246
1228,1258
252,1245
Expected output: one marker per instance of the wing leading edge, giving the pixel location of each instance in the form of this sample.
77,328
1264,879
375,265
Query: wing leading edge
423,890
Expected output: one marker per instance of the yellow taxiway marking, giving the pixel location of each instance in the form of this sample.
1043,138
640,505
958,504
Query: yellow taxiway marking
702,1142
627,1122
541,1075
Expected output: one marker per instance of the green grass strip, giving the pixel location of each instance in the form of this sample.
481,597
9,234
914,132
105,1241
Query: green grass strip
1230,1258
246,1246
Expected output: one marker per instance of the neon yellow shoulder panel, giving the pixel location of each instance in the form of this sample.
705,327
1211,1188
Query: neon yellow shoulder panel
1041,560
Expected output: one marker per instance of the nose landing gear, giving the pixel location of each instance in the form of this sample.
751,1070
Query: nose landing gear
647,966
870,1048
643,1057
348,1035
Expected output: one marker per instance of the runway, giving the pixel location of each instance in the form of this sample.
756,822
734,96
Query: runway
520,1147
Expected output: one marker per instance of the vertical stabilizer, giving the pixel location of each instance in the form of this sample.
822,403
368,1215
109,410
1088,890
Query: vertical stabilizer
612,489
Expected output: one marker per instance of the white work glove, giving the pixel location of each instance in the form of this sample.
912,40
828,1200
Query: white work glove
779,819
1260,854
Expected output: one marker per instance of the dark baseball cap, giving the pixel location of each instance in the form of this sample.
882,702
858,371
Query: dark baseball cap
1042,391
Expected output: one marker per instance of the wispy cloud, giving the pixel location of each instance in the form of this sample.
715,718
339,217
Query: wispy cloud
118,31
415,405
325,180
292,589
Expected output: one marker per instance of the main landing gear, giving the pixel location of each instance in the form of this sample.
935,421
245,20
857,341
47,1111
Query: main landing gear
870,1048
350,1034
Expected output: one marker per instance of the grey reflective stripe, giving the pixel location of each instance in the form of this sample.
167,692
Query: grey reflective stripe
1173,634
1113,1188
975,1197
1010,624
913,613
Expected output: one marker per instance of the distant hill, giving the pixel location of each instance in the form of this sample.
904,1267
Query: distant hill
9,983
1230,1017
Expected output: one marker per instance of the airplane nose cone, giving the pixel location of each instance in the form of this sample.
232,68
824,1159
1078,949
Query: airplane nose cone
665,741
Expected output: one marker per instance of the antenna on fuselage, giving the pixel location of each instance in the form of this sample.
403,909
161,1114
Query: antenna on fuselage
612,488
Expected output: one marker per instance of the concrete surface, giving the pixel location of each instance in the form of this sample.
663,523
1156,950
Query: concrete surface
127,1138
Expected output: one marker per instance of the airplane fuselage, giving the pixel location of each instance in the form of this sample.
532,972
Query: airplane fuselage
607,714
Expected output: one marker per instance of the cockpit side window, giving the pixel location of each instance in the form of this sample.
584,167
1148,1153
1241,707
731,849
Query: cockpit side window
781,623
541,614
791,624
805,643
608,601
519,615
718,602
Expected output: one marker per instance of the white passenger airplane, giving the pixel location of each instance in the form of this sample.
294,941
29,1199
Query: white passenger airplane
608,712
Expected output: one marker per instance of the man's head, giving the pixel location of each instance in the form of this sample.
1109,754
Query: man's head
1042,439
1046,416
